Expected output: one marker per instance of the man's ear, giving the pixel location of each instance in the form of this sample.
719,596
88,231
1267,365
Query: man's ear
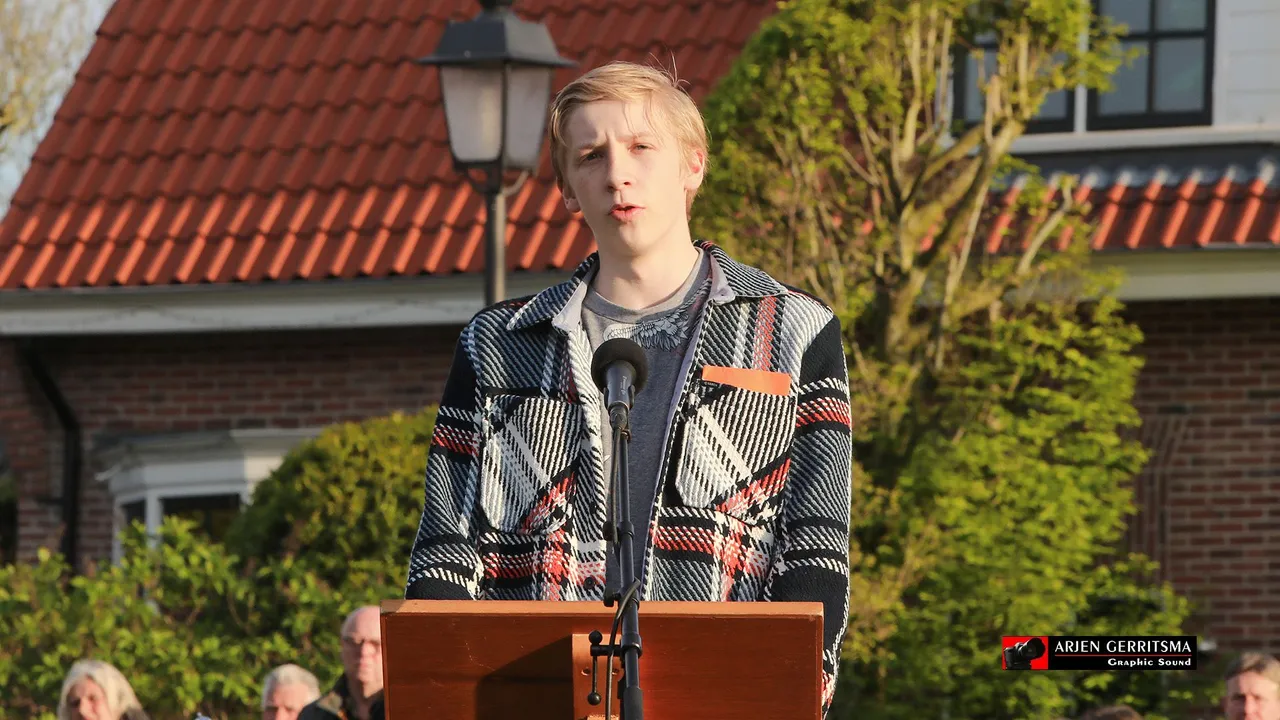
696,170
570,199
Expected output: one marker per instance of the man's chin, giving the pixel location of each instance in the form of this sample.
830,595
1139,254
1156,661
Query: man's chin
626,239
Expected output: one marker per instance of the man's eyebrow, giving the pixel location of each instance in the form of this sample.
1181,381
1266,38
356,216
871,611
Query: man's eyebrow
646,135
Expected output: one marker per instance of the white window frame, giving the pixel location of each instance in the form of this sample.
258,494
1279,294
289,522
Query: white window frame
155,468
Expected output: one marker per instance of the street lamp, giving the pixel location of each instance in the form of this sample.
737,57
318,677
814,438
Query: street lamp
495,77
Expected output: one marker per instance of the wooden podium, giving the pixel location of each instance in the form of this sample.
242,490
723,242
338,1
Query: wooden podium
484,660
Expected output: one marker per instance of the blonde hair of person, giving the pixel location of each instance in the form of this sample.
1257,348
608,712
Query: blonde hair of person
115,688
290,674
630,82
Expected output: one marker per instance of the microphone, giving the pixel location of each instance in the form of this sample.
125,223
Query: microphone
620,369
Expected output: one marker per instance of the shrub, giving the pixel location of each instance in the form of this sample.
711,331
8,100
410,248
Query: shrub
354,492
195,625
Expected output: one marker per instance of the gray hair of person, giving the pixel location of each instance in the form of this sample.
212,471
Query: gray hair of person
290,674
1255,662
115,688
1112,712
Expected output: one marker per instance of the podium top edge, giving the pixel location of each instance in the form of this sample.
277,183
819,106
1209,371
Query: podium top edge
798,610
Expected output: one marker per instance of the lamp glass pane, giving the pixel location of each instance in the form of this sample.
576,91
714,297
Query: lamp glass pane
473,109
528,92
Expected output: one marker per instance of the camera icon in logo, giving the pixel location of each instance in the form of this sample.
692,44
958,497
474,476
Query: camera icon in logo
1020,654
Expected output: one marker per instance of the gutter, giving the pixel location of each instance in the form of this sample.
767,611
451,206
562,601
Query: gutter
72,452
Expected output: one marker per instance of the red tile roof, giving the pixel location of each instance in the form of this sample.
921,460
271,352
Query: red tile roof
240,141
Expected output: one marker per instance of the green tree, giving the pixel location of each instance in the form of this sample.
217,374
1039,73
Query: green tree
991,370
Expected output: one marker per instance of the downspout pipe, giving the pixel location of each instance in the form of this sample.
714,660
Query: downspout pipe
72,455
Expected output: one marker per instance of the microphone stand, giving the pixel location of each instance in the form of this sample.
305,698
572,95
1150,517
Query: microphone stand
621,532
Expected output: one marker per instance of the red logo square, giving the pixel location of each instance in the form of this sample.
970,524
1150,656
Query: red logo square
1025,652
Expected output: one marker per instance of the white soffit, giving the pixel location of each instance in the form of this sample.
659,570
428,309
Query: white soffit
332,305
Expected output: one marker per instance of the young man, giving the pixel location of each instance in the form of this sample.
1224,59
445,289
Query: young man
739,459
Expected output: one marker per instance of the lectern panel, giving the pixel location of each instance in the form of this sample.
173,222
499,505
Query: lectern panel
485,660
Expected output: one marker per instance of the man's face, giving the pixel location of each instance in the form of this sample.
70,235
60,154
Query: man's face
86,701
362,650
285,702
627,174
1251,696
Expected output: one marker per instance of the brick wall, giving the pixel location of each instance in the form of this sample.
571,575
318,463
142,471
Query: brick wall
1210,398
184,383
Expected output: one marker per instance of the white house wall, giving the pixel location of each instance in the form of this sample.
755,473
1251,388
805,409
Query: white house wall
1246,87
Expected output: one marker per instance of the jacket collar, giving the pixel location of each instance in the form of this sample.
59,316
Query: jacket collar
730,280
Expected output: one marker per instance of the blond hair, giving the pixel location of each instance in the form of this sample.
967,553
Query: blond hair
630,82
1265,665
115,689
290,674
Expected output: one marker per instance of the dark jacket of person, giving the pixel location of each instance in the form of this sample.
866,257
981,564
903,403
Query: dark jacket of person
339,705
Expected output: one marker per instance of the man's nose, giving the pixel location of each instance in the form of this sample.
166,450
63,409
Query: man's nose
620,170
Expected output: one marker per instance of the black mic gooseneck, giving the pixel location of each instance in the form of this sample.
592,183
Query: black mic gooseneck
620,369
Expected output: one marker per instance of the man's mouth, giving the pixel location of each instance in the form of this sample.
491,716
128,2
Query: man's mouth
624,211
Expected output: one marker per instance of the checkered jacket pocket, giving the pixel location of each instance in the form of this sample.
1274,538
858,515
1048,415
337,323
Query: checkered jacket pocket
528,464
734,457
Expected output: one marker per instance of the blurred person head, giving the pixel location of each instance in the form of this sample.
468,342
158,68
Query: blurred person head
1253,688
286,690
362,651
1112,712
95,690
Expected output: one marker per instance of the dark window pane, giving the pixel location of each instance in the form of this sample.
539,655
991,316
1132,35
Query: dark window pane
1134,14
1129,92
1054,107
1181,14
8,513
134,511
1179,75
973,97
211,513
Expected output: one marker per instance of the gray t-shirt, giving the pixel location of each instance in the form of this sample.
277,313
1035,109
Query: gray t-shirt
664,331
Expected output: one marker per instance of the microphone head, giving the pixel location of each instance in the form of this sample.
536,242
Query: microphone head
619,350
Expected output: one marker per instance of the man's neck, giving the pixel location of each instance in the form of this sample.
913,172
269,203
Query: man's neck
359,700
639,282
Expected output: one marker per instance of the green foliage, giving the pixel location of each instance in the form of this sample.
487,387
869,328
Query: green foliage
195,625
354,492
991,372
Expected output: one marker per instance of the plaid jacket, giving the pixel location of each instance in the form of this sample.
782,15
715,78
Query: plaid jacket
755,491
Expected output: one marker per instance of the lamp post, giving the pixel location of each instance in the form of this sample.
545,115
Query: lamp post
495,77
